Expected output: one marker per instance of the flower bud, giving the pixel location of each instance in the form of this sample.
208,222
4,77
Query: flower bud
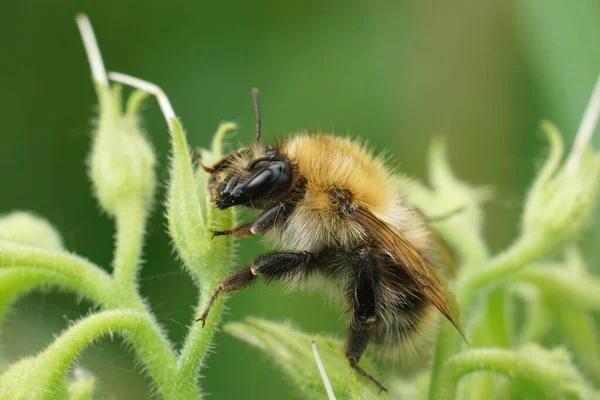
561,200
122,162
27,228
190,215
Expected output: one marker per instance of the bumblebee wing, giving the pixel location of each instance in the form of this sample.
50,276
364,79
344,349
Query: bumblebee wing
448,257
424,274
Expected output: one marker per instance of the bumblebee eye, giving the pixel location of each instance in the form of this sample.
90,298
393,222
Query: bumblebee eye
264,178
276,174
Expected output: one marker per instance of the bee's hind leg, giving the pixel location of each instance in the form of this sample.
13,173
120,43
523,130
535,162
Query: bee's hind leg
362,296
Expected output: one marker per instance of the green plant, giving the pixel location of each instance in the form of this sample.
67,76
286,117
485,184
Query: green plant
121,167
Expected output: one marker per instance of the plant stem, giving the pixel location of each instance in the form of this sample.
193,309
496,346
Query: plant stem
526,250
198,340
16,281
130,220
579,290
506,362
75,271
159,360
582,337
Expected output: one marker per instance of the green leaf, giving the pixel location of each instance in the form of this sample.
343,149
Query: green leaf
292,351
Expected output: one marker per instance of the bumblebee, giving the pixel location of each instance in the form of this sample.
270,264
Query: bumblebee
339,215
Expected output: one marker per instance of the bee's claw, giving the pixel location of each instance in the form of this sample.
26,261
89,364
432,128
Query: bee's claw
203,319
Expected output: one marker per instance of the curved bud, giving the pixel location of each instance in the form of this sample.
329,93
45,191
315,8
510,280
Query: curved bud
561,201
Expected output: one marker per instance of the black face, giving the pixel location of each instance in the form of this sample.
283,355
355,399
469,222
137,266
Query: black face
265,177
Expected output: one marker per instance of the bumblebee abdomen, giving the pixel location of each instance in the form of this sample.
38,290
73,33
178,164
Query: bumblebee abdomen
406,320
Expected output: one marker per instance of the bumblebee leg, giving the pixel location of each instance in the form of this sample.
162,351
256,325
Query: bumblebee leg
265,221
243,230
269,266
275,266
236,280
363,301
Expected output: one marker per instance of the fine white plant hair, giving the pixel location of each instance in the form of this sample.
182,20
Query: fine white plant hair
91,49
163,100
322,371
586,129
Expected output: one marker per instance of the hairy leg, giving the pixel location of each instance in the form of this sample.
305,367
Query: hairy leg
363,301
270,266
236,280
264,221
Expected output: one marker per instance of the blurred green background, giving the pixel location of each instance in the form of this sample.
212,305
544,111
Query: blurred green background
396,73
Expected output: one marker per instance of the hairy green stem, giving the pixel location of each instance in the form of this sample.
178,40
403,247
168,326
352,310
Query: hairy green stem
195,349
579,290
497,318
136,326
497,330
198,339
525,250
582,336
505,362
75,271
130,220
16,281
537,321
28,266
472,247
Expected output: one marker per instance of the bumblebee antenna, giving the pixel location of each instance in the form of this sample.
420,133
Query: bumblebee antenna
256,114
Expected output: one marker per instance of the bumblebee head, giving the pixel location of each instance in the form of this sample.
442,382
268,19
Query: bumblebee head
250,176
253,176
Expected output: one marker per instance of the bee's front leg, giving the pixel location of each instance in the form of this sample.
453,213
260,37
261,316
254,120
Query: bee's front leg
363,312
263,222
244,231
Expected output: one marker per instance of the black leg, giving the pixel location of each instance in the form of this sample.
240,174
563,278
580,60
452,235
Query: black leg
243,230
269,266
276,266
265,221
236,280
363,312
